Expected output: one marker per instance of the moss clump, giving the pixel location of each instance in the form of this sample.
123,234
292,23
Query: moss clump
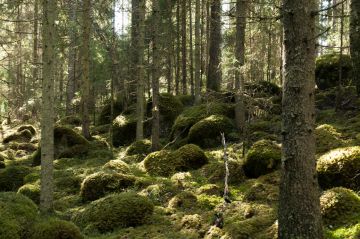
3,157
327,70
262,158
165,163
344,232
115,211
340,168
159,193
23,136
169,107
104,117
184,200
206,133
17,214
28,147
117,166
72,120
124,130
31,191
263,88
99,184
327,138
142,147
186,100
12,177
215,172
55,229
27,127
210,189
191,222
340,206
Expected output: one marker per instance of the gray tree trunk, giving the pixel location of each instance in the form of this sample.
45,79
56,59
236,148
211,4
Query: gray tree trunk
183,47
197,53
355,41
299,205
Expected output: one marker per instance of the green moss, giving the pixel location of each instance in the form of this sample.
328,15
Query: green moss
3,157
31,191
117,166
159,163
28,147
327,138
12,177
100,129
327,70
263,88
210,189
99,184
346,232
340,206
27,127
124,130
72,120
183,201
2,164
55,229
209,202
23,136
186,100
206,133
215,172
104,117
270,127
115,211
142,147
262,158
159,193
340,167
169,107
191,157
17,214
262,192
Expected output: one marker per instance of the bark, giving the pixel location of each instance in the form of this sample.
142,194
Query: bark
299,204
197,53
85,58
191,52
47,109
183,47
214,68
170,48
178,45
355,41
36,44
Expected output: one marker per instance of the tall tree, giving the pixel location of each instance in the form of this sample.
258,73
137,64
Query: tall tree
85,63
47,109
191,52
355,41
183,47
197,52
214,68
36,44
299,205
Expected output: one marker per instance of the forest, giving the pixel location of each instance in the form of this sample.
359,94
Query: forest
180,119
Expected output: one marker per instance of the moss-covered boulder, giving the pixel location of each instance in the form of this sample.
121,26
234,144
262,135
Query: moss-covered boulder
327,138
142,147
27,147
124,130
215,172
169,107
55,229
23,136
17,214
12,177
160,163
117,166
340,168
262,158
68,144
191,157
206,132
115,211
27,127
183,201
71,120
31,191
105,114
327,70
262,88
340,206
99,184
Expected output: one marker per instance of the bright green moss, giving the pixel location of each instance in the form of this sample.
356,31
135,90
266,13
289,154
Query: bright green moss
183,201
55,229
142,147
31,191
117,166
23,136
327,138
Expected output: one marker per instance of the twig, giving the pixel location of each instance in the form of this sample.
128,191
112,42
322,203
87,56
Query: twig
314,13
227,173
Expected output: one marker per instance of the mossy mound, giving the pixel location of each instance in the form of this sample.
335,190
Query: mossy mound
272,126
23,136
100,129
263,88
165,163
262,158
117,166
17,214
31,191
105,114
169,107
340,206
340,168
215,172
159,193
327,138
327,70
210,189
124,130
115,211
72,120
28,147
206,133
183,201
3,157
99,184
142,147
262,192
55,229
12,177
27,127
186,100
68,144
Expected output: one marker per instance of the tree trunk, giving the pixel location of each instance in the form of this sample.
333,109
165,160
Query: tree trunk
355,41
191,53
197,53
299,205
85,57
47,109
178,45
184,48
214,68
35,71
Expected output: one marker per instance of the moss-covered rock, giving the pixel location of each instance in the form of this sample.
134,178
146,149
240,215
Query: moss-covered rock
31,191
263,88
183,201
191,157
159,163
169,107
142,147
104,117
124,130
27,147
23,136
159,193
186,100
99,184
327,138
206,133
27,127
117,166
17,214
215,172
210,189
55,229
12,177
340,206
340,168
3,157
72,120
115,211
327,70
262,158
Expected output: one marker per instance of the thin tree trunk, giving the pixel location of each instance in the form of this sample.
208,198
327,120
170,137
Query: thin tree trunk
299,204
355,41
192,87
184,48
35,71
178,45
197,53
47,109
